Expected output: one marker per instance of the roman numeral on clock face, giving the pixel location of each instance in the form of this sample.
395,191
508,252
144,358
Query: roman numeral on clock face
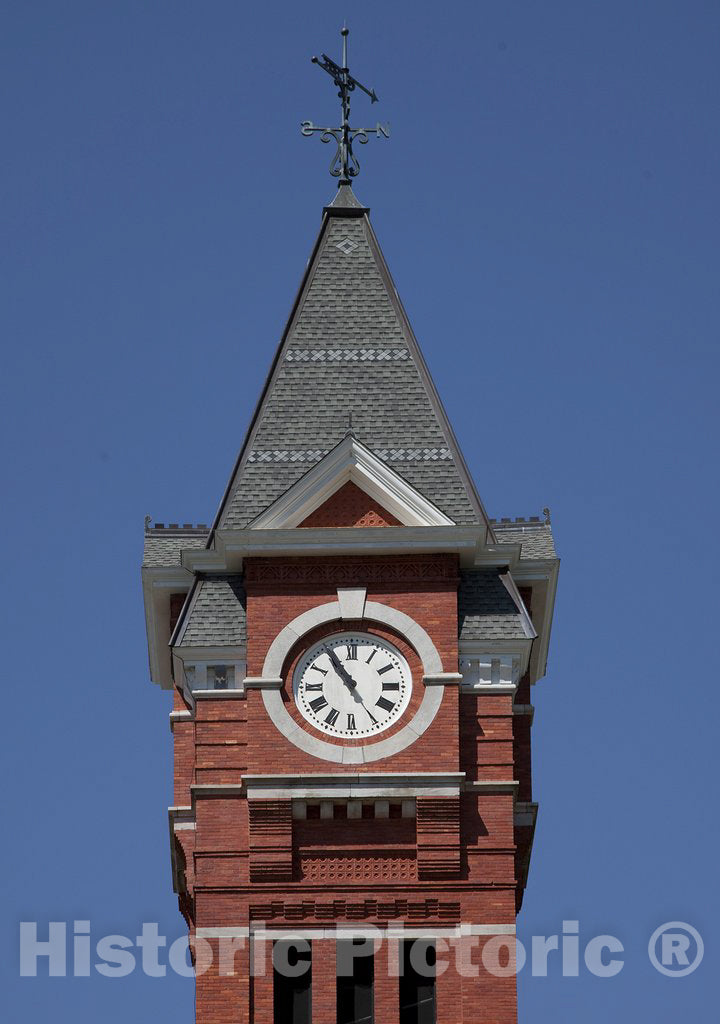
384,703
336,694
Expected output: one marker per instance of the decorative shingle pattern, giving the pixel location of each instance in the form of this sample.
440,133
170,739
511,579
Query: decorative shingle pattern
217,614
386,454
353,355
346,246
486,611
347,308
537,541
166,551
287,456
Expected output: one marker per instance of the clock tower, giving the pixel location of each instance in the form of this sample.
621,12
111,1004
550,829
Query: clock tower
350,647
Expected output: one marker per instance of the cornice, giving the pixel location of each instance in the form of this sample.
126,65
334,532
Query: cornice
349,785
233,546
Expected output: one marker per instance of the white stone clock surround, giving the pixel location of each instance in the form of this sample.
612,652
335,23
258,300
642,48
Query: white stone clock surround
352,605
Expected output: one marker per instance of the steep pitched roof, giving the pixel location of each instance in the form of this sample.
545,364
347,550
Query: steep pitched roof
348,350
486,609
216,614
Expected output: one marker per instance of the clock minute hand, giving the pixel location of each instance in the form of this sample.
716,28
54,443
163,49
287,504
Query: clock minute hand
340,669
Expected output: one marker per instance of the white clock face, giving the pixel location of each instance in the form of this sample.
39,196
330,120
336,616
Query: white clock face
352,685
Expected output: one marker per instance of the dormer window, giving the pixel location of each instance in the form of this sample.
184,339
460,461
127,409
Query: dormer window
214,675
220,677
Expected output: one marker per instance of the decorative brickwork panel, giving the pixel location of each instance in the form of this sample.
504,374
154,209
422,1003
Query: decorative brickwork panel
350,506
270,840
438,837
372,910
331,866
336,571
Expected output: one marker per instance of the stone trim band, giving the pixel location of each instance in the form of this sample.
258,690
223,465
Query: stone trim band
333,611
348,931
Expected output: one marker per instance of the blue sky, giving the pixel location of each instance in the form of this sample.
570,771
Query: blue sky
548,207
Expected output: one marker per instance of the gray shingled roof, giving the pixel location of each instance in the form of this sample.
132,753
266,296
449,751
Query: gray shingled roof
486,611
216,616
349,349
537,540
165,549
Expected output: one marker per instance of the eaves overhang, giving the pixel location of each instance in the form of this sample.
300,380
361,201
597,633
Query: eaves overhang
231,547
158,583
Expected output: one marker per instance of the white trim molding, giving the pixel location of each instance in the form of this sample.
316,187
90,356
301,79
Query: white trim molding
194,669
355,785
509,583
491,786
350,461
260,931
180,819
332,611
158,583
233,546
413,730
493,665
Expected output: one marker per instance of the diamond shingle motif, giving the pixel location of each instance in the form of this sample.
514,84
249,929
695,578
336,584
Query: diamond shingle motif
346,245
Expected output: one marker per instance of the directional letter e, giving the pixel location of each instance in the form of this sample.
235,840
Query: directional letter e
54,949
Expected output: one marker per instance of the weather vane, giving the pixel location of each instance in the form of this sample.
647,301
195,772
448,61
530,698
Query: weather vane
344,165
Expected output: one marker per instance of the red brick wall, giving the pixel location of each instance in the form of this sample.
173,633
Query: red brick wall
454,863
350,506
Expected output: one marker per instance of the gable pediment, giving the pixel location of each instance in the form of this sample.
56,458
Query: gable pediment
350,462
350,506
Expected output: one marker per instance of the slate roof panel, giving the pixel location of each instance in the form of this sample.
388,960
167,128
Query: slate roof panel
217,614
486,611
166,550
537,541
348,352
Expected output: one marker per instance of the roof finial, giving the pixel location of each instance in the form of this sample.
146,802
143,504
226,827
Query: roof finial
344,165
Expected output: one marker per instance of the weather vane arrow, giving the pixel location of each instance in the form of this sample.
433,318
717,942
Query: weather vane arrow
344,164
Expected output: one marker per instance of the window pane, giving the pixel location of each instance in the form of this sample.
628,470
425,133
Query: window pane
356,976
292,982
220,677
417,983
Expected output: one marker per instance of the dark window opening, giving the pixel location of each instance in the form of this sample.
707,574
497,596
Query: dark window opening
355,981
417,982
368,810
526,595
292,982
339,810
176,603
313,812
395,811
